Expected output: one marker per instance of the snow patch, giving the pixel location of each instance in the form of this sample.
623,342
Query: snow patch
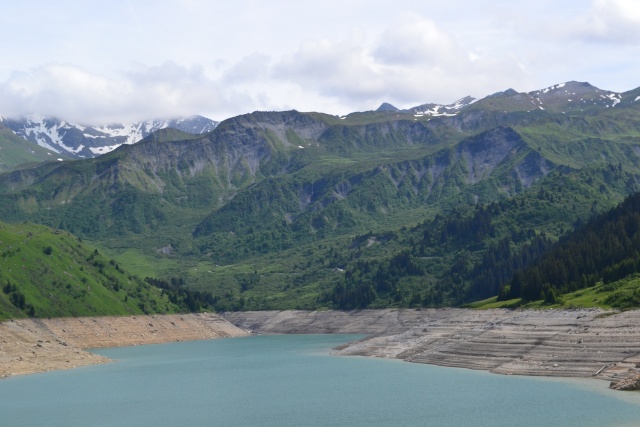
550,88
615,97
435,112
446,110
460,103
133,132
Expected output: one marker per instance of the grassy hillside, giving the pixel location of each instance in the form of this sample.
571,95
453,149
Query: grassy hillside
620,294
50,273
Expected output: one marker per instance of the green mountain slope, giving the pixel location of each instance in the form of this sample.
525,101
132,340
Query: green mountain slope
45,272
606,250
50,273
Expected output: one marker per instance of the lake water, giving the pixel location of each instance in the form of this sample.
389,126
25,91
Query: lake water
290,380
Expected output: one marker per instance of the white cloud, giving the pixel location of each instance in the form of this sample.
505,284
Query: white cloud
415,41
226,58
597,41
251,68
75,94
413,61
340,68
612,21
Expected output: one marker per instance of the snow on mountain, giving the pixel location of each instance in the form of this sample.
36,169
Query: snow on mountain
575,95
85,141
559,98
436,110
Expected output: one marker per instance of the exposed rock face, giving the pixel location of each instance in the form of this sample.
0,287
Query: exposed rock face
482,154
627,384
568,343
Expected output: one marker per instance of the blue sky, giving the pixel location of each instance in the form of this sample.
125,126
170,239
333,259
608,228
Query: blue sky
100,62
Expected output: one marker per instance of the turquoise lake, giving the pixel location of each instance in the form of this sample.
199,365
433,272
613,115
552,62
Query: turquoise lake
291,380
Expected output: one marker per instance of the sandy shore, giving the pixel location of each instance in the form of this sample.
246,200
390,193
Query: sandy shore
563,343
39,345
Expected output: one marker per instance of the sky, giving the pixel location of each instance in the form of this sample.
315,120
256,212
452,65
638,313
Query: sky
99,62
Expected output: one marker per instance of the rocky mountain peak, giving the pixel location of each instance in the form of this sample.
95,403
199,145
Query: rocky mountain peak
387,107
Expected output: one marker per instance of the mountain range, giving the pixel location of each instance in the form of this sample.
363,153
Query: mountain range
390,207
83,141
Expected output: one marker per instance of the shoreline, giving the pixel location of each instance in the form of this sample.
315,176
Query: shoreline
586,343
30,346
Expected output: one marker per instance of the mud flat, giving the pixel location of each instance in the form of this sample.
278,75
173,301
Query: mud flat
562,343
39,345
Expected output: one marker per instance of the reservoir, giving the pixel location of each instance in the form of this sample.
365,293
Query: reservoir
291,380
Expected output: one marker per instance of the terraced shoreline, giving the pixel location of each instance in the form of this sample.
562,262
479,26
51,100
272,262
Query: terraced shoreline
561,343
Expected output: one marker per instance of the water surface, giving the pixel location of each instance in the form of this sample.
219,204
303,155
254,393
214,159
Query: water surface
290,380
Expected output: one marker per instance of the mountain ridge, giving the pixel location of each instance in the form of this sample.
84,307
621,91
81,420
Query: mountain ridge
86,141
562,97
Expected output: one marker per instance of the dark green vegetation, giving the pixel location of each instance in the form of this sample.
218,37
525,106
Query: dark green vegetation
15,152
47,273
389,208
605,250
